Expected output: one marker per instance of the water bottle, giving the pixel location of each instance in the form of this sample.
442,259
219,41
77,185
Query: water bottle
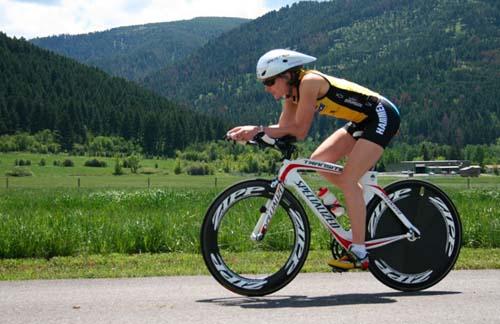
330,201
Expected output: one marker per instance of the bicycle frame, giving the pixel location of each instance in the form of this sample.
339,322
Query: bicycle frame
289,177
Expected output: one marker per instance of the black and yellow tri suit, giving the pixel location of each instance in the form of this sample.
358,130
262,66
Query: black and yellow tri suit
369,115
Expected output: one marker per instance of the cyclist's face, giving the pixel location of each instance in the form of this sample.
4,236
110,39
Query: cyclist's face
279,88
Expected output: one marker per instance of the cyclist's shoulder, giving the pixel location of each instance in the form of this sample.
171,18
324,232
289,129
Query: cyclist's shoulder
311,77
313,74
318,75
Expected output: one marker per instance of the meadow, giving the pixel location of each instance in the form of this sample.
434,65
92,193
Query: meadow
48,216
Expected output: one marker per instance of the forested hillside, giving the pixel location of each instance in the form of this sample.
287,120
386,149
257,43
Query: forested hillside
437,59
135,51
41,90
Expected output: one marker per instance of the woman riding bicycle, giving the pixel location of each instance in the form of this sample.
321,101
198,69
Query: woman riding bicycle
372,122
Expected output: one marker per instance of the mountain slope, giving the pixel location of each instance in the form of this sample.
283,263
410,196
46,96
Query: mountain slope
438,60
135,51
41,90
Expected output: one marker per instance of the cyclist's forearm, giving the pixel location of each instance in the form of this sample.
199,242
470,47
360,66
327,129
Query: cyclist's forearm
280,131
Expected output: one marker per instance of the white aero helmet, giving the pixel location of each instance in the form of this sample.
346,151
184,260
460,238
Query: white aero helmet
278,61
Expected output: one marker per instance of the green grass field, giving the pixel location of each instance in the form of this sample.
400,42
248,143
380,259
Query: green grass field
47,217
174,264
153,173
158,173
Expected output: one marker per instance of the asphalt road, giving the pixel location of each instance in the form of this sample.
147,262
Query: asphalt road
462,297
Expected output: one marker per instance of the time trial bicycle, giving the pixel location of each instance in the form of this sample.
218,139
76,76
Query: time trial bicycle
255,236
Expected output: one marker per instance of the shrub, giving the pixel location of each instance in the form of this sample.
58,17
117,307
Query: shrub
95,163
149,171
19,172
42,162
133,162
118,168
177,168
251,165
199,169
22,162
194,156
68,163
78,149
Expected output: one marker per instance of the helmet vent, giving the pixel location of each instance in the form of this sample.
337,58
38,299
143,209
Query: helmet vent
285,61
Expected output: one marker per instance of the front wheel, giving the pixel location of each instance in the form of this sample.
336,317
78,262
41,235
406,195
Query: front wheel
414,264
246,266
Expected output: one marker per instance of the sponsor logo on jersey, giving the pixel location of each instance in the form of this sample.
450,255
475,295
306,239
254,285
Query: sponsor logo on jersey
382,119
354,102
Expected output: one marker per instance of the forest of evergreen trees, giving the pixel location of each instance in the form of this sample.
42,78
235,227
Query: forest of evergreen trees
40,90
437,59
133,52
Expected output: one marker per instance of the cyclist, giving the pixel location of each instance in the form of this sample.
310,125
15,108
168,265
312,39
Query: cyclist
372,122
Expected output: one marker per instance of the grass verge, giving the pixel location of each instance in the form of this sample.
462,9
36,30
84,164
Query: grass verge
173,264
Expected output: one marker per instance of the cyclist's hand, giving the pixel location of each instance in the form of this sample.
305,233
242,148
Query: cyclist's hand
242,133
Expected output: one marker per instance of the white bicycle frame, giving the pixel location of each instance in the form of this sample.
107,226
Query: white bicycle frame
289,177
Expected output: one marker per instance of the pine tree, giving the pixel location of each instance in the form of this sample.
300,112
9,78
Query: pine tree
65,129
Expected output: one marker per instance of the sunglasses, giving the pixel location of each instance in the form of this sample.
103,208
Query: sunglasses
270,81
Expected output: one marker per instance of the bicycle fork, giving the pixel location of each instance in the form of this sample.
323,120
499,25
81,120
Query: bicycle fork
267,211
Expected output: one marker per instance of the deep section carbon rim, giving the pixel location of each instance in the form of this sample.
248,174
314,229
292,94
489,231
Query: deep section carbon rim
246,266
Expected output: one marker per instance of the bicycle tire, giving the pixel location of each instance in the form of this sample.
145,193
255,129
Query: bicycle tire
266,266
414,265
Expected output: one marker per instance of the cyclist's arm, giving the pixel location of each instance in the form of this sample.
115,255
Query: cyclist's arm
296,119
287,117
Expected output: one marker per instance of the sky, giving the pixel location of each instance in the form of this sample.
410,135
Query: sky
40,18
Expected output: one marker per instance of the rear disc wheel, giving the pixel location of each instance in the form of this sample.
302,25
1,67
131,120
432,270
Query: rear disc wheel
412,265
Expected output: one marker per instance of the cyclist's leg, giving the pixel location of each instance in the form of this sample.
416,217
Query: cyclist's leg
338,145
374,135
335,147
363,156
